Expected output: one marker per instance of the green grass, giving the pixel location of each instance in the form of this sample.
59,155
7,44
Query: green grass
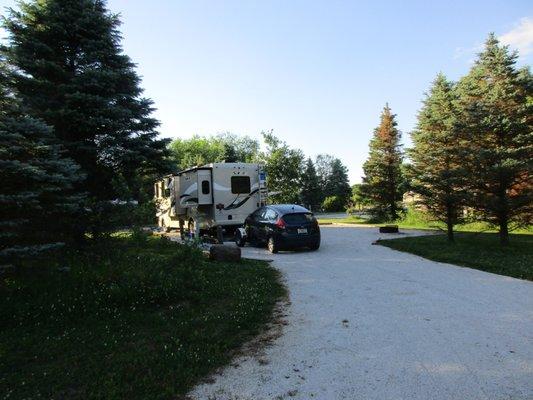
133,318
479,251
347,220
419,221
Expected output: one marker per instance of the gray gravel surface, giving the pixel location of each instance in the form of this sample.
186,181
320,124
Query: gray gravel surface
368,322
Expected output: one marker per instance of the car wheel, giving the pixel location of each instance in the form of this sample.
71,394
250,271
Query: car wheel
315,246
272,245
239,240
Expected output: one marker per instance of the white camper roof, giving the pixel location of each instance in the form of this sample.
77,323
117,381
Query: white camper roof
222,165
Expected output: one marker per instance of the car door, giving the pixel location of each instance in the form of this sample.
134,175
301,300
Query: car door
268,218
252,224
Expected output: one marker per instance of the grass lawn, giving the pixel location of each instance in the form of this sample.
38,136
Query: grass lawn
474,250
416,220
134,318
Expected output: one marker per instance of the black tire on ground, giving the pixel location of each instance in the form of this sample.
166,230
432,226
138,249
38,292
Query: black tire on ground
190,227
239,240
272,245
388,229
164,226
315,246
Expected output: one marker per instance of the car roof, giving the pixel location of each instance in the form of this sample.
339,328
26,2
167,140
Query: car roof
288,208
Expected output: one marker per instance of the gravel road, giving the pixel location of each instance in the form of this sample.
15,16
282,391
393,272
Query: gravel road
367,322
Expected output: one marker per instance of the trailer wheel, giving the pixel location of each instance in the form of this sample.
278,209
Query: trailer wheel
164,226
272,245
191,227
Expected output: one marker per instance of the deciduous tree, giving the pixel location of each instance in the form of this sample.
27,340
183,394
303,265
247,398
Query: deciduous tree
284,169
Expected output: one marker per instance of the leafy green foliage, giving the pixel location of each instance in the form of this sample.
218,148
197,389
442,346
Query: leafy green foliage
383,180
333,178
357,200
437,171
199,150
333,204
496,117
129,318
284,168
474,250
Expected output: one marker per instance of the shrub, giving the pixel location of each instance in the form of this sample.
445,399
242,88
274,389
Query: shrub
333,204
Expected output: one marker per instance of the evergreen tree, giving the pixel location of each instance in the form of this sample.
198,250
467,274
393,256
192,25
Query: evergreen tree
323,163
497,122
382,183
437,169
338,183
37,206
310,194
284,169
70,72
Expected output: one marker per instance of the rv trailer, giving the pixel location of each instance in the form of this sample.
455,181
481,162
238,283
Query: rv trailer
217,194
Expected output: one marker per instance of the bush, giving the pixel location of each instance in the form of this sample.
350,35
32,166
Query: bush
126,317
333,204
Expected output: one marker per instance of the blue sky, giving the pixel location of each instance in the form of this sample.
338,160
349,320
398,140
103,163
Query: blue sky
317,73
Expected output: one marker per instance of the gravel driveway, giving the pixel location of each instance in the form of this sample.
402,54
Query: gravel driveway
413,329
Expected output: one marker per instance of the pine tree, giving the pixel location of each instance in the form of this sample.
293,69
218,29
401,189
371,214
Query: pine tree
70,72
437,169
37,207
382,183
497,122
323,163
338,183
310,194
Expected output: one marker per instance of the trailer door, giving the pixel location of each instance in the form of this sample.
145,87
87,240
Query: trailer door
205,190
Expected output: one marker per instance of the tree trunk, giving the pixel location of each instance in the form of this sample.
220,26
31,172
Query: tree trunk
449,224
504,232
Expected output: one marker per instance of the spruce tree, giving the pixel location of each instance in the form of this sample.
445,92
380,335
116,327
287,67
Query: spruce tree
70,71
437,168
37,204
310,194
383,182
338,183
497,123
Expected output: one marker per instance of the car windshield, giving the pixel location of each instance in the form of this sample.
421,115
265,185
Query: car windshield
299,218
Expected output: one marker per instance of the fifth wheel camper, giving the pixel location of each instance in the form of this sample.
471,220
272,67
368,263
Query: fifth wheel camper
216,194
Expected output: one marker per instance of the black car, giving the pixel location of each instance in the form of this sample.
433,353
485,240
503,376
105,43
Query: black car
280,227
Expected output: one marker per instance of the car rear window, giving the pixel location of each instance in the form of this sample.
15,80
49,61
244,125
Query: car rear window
298,218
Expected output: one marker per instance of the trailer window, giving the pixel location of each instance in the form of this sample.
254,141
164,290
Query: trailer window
240,184
205,187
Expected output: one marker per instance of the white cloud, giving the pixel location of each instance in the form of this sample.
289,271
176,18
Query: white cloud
520,37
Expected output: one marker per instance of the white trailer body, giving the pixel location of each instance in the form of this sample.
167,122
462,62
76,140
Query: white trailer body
217,194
